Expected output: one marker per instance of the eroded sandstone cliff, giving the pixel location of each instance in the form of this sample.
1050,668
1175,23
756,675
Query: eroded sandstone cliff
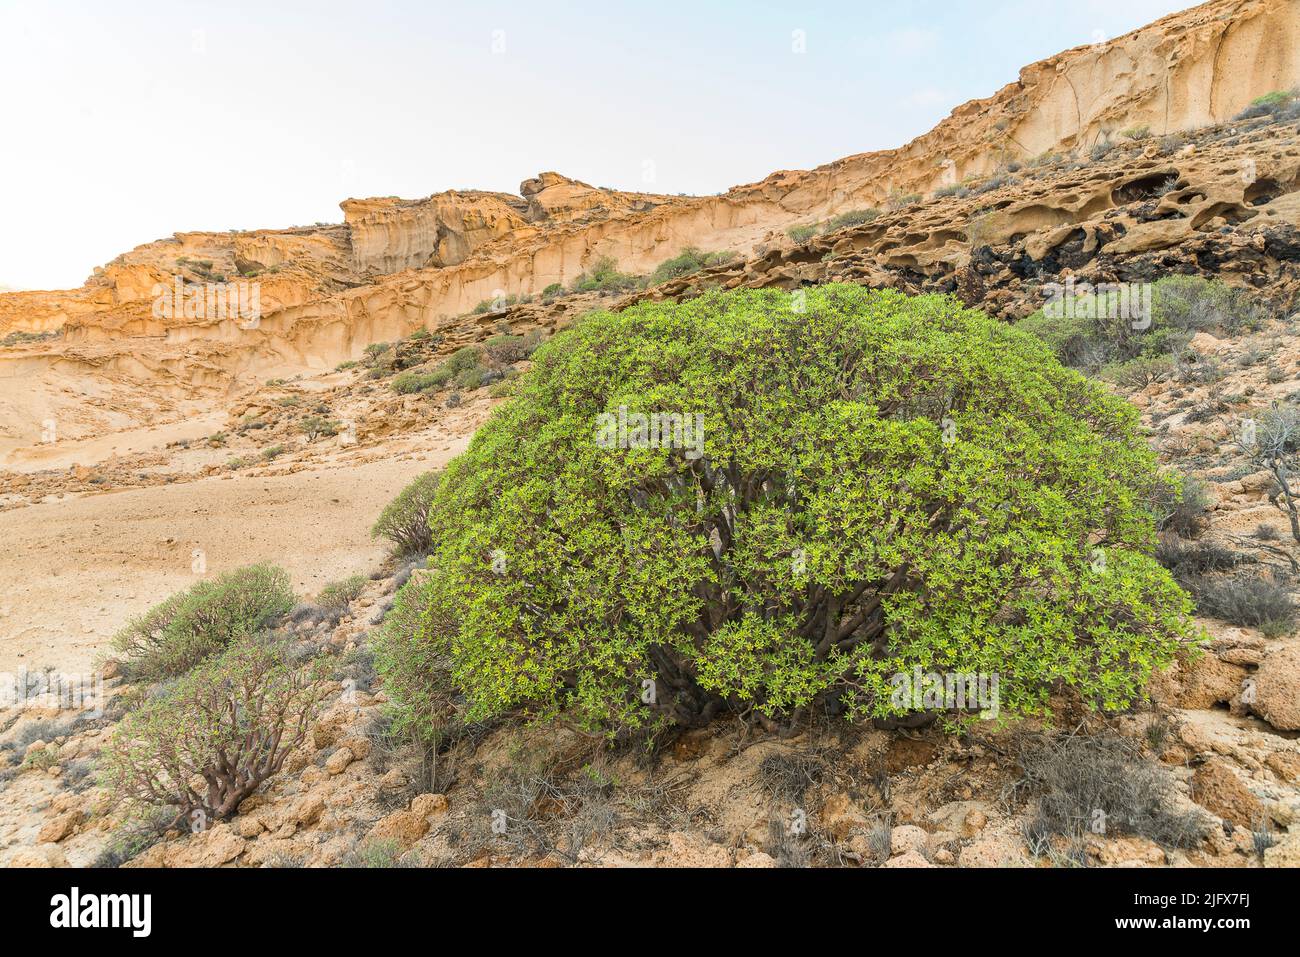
393,265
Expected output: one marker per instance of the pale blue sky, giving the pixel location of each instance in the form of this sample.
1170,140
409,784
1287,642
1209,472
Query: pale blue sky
123,123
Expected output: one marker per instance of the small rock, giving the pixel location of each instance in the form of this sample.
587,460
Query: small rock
358,745
910,859
248,827
394,780
1277,689
992,851
307,810
758,859
1285,764
338,762
404,827
1216,788
47,856
428,805
907,839
57,828
1286,854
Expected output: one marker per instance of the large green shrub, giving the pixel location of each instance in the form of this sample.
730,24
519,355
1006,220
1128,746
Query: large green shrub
172,637
884,484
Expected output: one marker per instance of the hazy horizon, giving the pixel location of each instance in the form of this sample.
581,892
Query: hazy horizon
191,116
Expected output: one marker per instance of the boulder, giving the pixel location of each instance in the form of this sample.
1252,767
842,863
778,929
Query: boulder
1217,788
908,839
59,827
338,762
1277,689
910,859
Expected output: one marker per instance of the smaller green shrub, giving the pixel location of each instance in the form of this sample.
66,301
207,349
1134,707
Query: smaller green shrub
272,452
1180,505
230,722
466,357
42,759
1102,150
1090,333
315,427
494,304
1138,373
376,853
134,836
689,260
992,183
853,217
552,291
336,596
1250,599
409,383
1136,133
405,520
1279,104
174,636
508,349
464,362
415,668
605,277
801,234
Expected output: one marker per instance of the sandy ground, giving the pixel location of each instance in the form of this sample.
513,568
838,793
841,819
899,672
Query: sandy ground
96,449
73,572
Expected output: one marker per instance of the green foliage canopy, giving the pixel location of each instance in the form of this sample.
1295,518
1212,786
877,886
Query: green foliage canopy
887,483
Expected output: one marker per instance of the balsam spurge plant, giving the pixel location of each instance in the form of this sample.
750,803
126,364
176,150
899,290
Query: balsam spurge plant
210,740
840,487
